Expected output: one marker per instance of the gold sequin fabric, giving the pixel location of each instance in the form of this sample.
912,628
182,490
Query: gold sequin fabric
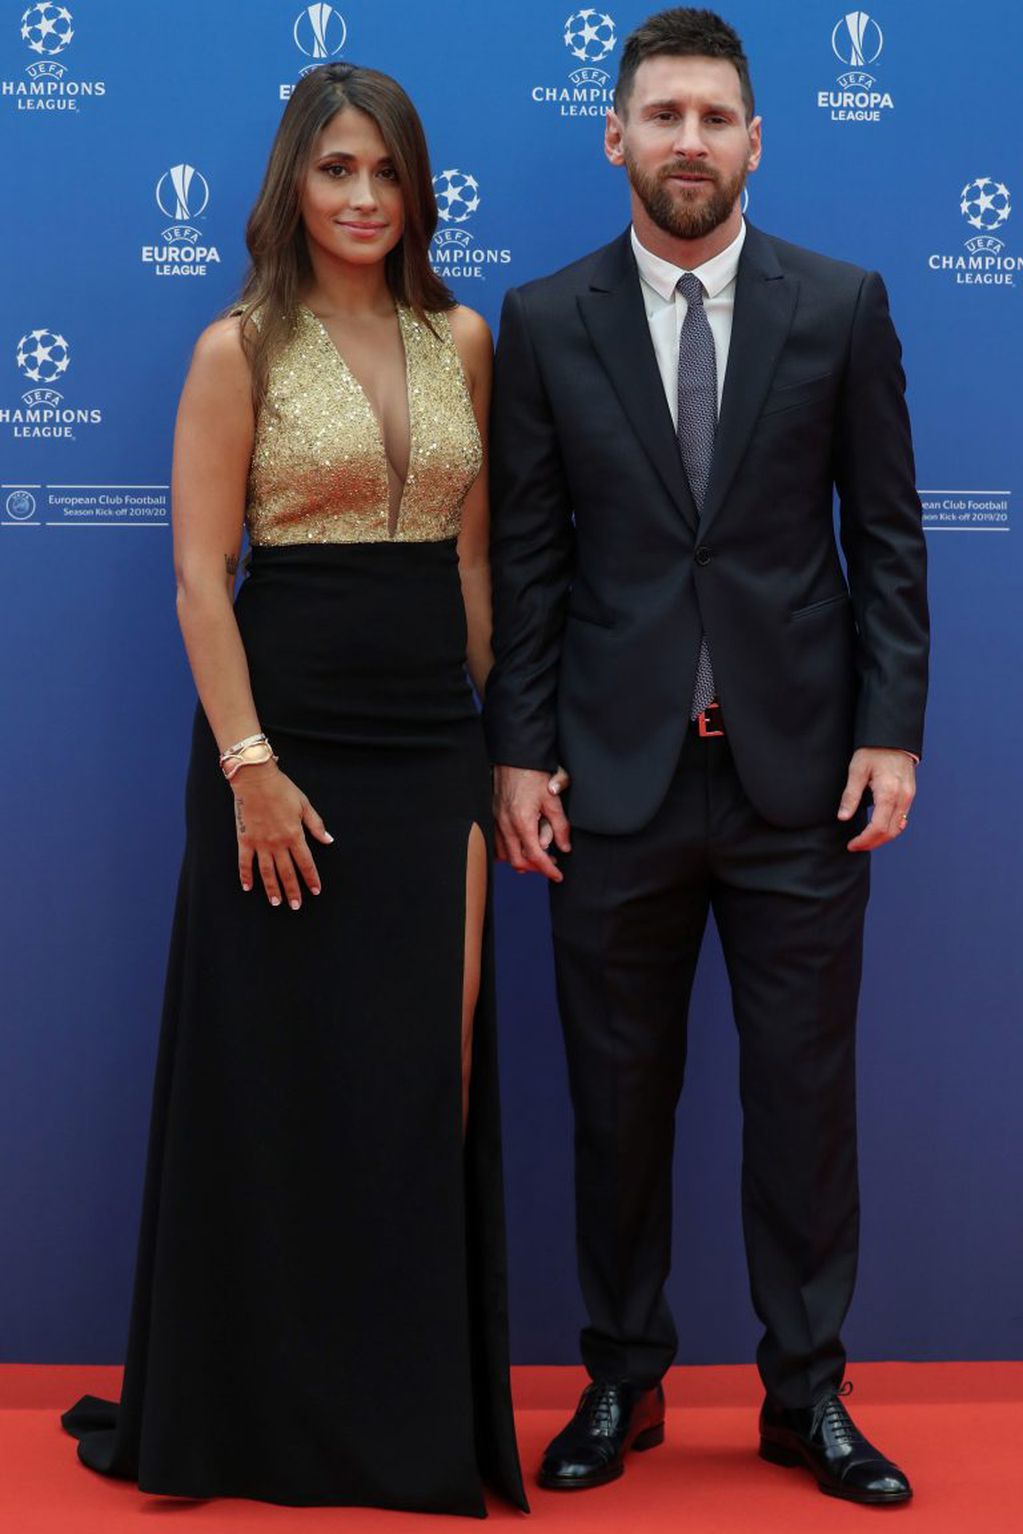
319,472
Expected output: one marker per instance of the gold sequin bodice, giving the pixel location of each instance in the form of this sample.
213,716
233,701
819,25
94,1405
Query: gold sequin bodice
319,471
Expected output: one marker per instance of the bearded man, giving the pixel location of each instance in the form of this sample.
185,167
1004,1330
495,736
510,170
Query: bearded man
675,625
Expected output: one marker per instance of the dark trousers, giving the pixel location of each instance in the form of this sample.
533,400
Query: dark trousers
628,922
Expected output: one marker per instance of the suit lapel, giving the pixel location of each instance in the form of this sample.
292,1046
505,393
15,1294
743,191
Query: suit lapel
615,317
765,300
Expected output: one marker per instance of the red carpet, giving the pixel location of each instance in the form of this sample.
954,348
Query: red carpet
956,1428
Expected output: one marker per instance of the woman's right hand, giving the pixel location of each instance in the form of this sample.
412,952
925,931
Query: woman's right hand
271,815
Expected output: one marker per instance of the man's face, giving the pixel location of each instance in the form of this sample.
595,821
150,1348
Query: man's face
685,142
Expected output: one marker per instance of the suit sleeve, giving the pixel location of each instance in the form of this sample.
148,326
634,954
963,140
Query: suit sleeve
532,552
881,531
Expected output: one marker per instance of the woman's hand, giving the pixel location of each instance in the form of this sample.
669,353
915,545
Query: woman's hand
557,785
271,815
546,832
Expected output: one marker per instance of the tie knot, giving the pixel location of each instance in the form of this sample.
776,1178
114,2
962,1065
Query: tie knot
691,288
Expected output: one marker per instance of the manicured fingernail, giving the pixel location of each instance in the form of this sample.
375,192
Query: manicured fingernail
327,836
275,899
294,904
316,890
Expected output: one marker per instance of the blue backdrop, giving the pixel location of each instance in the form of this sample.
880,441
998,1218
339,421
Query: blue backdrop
135,139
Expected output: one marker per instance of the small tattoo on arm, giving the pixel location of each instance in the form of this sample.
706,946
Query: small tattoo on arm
231,564
239,815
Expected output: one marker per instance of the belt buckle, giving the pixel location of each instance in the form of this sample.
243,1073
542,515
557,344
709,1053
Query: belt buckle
703,723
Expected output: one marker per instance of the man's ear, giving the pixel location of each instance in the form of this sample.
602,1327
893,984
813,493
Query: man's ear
613,138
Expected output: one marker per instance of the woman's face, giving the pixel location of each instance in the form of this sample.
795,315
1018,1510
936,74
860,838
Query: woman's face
352,205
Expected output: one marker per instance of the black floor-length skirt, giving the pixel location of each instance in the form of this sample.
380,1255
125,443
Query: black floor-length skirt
319,1312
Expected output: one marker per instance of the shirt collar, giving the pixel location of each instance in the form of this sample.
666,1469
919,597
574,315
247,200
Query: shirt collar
715,274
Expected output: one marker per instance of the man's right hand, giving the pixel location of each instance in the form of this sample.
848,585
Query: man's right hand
523,800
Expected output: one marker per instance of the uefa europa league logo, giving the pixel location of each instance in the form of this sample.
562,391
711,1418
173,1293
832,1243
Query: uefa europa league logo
182,193
857,39
320,31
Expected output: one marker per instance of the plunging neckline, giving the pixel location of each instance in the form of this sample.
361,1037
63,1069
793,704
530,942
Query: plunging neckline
349,373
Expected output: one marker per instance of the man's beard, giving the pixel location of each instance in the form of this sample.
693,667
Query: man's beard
685,219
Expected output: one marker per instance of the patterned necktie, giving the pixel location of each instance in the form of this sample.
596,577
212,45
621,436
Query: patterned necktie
697,424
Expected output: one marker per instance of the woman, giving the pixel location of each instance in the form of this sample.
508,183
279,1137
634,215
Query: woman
319,1312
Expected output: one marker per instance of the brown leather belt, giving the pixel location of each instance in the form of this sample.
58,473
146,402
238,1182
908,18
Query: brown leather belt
709,724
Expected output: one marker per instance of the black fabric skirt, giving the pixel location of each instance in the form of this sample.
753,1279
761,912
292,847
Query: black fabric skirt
319,1312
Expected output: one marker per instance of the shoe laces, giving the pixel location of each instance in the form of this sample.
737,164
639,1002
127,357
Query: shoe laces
598,1407
830,1415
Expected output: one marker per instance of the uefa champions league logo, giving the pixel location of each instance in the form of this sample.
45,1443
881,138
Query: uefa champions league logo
47,28
182,194
986,205
320,32
590,37
454,251
43,356
856,40
458,196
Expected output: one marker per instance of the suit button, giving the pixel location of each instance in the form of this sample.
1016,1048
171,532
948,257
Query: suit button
703,555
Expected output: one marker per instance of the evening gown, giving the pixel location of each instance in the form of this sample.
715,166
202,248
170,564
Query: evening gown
319,1311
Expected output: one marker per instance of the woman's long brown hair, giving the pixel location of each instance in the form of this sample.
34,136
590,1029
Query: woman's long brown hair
275,235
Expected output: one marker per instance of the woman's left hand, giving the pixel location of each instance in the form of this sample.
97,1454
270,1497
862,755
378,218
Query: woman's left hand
557,785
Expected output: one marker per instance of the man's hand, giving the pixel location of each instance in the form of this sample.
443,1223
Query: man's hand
891,778
529,814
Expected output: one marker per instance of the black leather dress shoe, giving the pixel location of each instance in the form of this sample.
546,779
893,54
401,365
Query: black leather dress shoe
826,1440
609,1420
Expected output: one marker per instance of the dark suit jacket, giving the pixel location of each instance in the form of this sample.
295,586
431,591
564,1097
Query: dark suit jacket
604,575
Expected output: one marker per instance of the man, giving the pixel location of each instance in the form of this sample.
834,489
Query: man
673,623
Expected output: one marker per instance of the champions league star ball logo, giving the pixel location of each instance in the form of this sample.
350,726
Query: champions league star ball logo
857,39
320,31
590,36
458,196
47,28
985,203
43,356
454,251
182,192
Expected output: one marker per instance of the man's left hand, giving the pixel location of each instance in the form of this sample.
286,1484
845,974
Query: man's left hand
891,778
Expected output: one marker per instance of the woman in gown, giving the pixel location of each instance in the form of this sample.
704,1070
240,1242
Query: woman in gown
319,1312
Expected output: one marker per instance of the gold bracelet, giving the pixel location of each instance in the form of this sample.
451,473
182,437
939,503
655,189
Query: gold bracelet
253,755
239,745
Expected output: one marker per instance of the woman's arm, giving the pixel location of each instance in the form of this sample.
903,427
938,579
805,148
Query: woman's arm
475,346
212,450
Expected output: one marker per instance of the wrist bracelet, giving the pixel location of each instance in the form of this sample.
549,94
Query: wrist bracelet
251,752
239,745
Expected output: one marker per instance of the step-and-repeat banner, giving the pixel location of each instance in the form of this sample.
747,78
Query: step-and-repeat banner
134,139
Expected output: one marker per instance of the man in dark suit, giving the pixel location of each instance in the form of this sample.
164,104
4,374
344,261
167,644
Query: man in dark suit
674,624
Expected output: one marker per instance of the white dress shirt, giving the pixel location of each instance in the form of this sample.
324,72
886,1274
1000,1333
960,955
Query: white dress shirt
666,308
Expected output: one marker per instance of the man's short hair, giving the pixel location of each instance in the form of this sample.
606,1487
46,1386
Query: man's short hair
682,32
